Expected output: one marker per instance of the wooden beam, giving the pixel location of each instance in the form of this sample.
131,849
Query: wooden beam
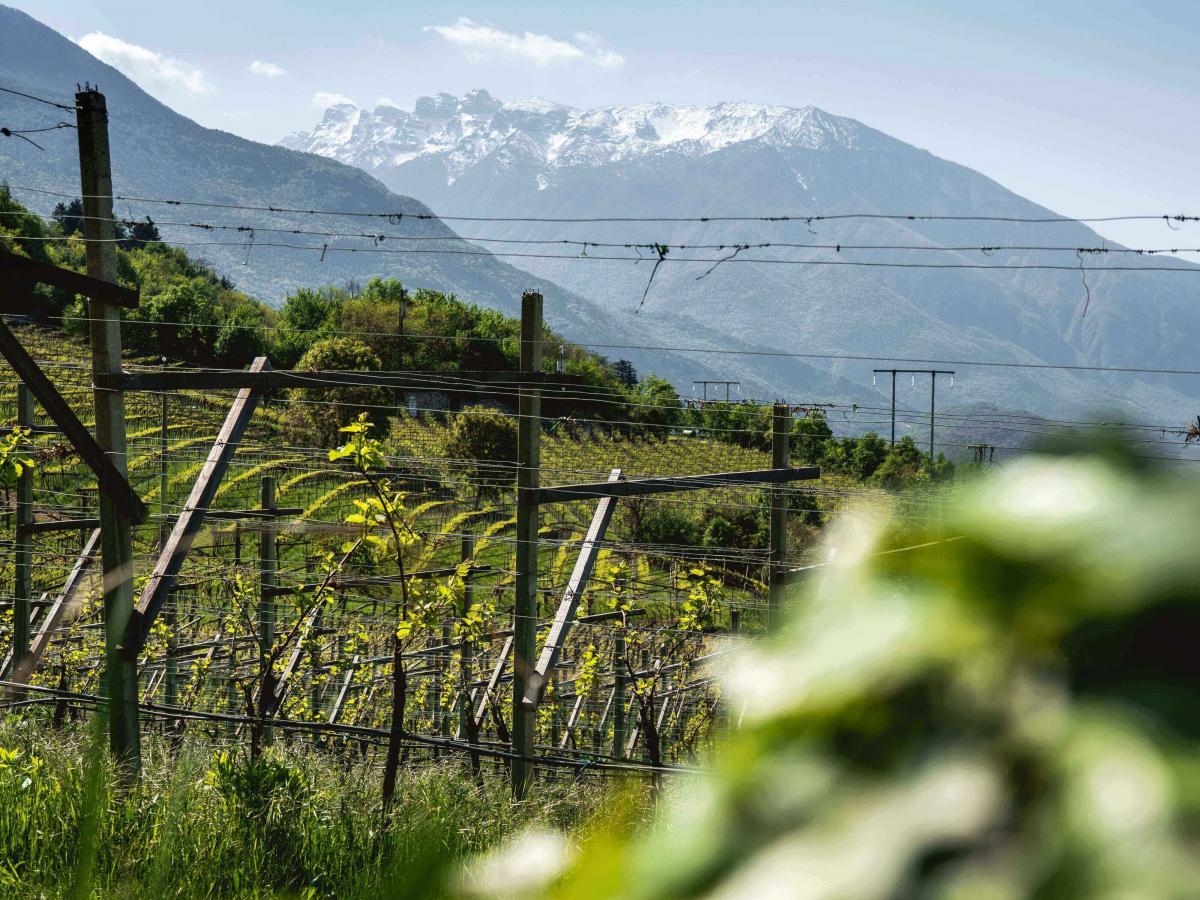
31,271
53,615
449,382
642,487
368,581
535,684
63,525
112,483
190,521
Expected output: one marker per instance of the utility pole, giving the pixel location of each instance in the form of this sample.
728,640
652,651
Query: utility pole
525,604
727,384
893,373
982,450
933,375
116,537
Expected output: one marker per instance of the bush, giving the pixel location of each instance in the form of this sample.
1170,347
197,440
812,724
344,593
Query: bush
729,528
488,438
669,526
317,413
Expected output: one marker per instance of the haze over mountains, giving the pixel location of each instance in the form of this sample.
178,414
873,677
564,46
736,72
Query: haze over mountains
158,153
478,156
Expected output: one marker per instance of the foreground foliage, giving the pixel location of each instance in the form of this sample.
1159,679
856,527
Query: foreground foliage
1010,713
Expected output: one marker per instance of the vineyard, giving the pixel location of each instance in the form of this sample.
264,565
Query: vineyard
283,618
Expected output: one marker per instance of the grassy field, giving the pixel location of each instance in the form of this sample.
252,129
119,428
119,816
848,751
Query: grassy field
207,823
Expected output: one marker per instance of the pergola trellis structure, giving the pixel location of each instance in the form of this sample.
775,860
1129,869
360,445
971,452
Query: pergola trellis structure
128,624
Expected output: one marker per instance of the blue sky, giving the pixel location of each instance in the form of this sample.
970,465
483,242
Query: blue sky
1089,108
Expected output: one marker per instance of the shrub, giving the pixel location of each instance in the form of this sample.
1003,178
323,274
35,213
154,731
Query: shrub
317,413
668,525
488,438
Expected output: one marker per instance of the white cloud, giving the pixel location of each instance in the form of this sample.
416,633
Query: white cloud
266,69
481,42
144,66
326,99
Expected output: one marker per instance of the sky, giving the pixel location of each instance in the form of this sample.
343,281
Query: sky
1089,108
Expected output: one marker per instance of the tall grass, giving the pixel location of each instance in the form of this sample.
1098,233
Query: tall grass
301,822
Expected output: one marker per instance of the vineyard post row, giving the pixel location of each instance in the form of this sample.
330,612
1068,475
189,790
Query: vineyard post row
120,508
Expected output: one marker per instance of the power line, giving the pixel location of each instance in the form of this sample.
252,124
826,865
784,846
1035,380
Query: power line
38,99
842,357
381,237
400,215
327,248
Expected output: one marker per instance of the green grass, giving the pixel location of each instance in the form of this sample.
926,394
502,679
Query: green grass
302,823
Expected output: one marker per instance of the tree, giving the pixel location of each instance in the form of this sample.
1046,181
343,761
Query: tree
139,234
241,336
903,465
653,401
69,216
488,439
320,412
858,457
810,437
306,317
625,372
180,319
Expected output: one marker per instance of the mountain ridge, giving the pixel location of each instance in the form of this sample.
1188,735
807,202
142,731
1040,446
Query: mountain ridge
1013,303
160,153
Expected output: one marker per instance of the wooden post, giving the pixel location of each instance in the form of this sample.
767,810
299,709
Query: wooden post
268,561
171,676
467,652
195,509
620,677
314,667
526,602
164,527
444,682
116,538
781,426
23,556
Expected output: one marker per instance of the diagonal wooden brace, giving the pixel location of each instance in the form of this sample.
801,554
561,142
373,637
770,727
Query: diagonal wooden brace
563,619
112,482
191,519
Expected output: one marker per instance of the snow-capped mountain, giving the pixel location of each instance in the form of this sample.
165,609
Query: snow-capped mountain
460,132
826,285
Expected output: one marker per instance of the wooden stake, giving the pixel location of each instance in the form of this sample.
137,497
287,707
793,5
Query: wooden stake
23,556
116,538
528,521
620,678
268,562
